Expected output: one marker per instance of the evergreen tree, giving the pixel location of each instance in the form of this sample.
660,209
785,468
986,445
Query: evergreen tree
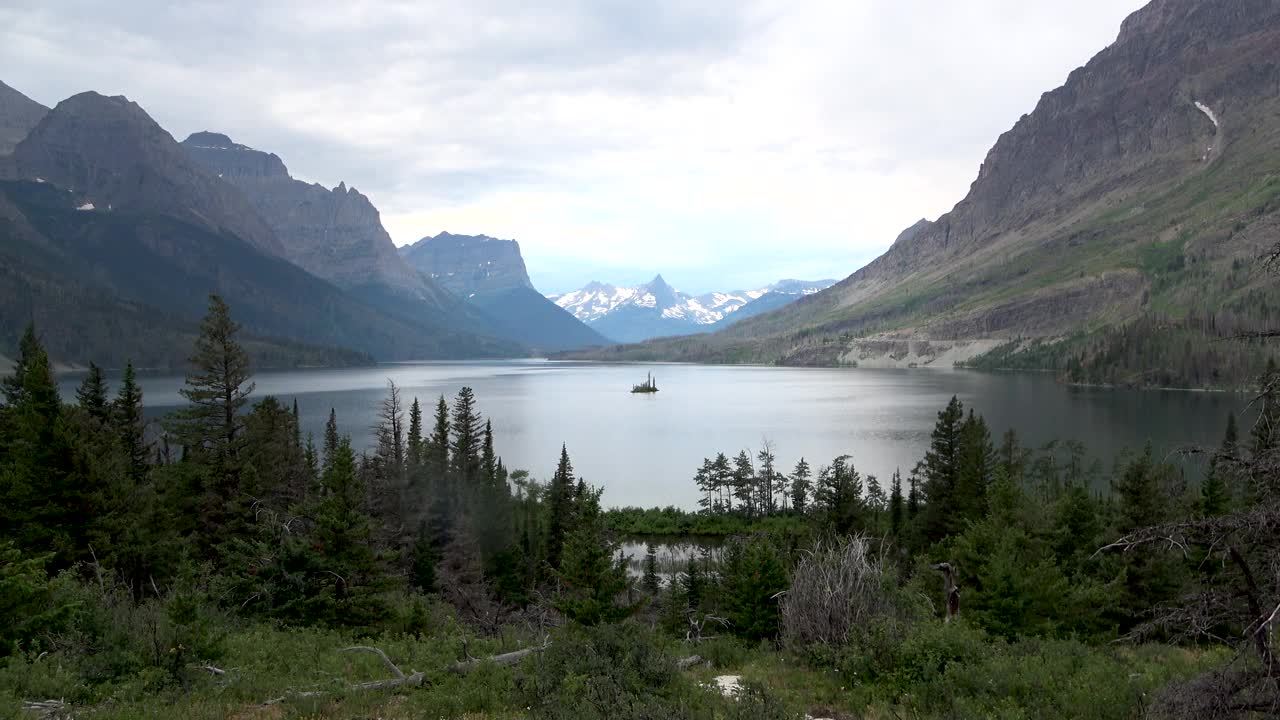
44,504
562,494
753,576
941,468
768,479
210,427
415,445
593,574
91,396
744,485
976,469
441,495
896,508
465,446
877,502
838,496
650,580
1215,497
130,427
331,439
722,480
705,480
800,486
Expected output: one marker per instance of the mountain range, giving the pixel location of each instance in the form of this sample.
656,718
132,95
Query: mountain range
112,235
1113,234
655,309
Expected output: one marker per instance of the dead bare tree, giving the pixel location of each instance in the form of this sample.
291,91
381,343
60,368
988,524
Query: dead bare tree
1237,597
951,589
838,590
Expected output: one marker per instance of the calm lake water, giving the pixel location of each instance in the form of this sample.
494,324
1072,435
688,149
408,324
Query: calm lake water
644,449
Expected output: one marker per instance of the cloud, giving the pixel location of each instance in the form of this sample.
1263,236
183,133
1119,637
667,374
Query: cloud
725,144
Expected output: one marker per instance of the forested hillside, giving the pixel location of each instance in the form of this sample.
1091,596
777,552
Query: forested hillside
218,563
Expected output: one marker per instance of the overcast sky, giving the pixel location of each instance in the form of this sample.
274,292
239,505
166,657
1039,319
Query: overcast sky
725,144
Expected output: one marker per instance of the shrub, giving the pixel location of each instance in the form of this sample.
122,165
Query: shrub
841,594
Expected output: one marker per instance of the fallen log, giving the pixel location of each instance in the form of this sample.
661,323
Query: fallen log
688,662
510,658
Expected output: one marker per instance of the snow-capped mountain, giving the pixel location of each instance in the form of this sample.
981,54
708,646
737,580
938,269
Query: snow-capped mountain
655,309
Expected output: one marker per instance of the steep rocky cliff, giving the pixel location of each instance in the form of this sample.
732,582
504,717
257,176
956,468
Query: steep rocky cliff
1139,191
490,274
467,264
334,234
18,114
111,154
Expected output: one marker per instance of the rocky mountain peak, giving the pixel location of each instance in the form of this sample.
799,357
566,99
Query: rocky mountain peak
468,264
230,160
18,114
109,152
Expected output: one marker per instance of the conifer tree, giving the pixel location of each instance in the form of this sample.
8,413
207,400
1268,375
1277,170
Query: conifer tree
650,580
331,438
800,486
592,569
561,496
217,389
43,503
941,468
1215,497
414,447
441,493
838,496
130,427
768,475
91,396
976,469
744,483
896,508
465,445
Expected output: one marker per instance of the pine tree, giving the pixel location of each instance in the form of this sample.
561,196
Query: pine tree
331,439
130,427
217,389
895,504
941,473
42,503
415,448
838,496
650,580
976,469
465,446
744,485
800,487
91,396
768,476
561,498
1215,497
441,494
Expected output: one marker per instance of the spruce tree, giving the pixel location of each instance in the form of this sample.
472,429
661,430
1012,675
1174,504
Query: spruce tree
941,468
130,426
896,508
44,504
650,580
977,464
414,445
561,498
465,445
800,487
217,389
331,438
211,427
91,396
390,435
441,494
1215,497
768,475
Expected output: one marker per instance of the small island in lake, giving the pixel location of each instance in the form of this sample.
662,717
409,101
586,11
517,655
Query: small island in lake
648,386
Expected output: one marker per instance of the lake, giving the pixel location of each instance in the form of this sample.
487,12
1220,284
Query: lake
644,449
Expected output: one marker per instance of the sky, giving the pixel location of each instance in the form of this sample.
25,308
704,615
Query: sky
725,144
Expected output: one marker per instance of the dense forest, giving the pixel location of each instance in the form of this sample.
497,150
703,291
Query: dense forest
219,563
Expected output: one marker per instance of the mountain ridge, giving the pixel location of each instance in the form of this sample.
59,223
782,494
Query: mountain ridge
1127,201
